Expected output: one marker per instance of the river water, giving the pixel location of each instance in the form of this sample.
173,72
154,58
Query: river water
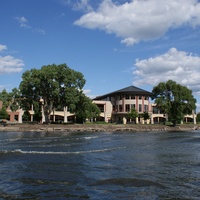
119,165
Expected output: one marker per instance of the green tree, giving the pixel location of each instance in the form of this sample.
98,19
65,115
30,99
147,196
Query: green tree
6,98
133,114
16,99
198,117
145,115
10,99
176,100
57,85
85,109
3,113
26,116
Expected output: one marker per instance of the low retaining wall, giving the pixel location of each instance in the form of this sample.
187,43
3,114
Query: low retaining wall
93,128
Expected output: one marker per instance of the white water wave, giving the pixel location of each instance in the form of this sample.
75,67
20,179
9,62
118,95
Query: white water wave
50,139
19,151
9,140
92,137
84,138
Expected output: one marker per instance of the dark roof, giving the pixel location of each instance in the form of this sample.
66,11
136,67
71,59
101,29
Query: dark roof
127,90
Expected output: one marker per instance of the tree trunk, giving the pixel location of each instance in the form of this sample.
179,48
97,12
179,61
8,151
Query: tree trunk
174,123
47,112
47,118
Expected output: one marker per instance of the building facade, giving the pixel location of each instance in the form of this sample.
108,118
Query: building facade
115,108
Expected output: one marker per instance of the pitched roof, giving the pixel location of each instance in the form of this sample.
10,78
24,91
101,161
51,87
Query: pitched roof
127,90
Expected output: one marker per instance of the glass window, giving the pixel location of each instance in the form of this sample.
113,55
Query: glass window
140,107
127,107
127,96
132,105
132,96
16,117
155,110
120,108
145,108
162,111
101,107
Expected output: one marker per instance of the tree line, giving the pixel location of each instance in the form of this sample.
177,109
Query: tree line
58,87
173,99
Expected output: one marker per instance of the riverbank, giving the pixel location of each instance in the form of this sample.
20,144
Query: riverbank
94,128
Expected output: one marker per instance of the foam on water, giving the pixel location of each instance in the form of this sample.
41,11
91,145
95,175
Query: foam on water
19,151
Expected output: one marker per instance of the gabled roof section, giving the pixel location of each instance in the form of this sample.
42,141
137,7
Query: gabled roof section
131,89
127,90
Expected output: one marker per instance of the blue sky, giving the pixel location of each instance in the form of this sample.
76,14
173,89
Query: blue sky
114,43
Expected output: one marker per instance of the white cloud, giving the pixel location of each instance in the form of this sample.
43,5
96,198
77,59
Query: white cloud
197,107
79,4
3,47
40,31
141,20
24,24
87,93
179,66
9,64
22,19
83,5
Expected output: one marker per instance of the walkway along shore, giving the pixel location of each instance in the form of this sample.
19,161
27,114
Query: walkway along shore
93,128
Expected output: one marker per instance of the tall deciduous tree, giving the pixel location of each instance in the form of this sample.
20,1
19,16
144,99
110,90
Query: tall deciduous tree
198,117
176,100
16,99
3,114
85,109
6,98
56,85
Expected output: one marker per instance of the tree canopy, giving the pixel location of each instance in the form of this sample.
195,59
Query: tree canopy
6,98
9,99
145,115
198,117
174,99
56,85
133,114
85,109
3,114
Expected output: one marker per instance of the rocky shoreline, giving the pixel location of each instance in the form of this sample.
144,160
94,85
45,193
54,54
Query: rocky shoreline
93,128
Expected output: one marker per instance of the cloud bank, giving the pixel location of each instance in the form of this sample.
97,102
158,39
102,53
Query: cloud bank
9,64
141,20
179,66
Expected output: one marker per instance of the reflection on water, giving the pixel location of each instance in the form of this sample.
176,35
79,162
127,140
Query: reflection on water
100,165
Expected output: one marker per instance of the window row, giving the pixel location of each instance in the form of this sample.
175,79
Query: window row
134,97
157,110
128,107
126,97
